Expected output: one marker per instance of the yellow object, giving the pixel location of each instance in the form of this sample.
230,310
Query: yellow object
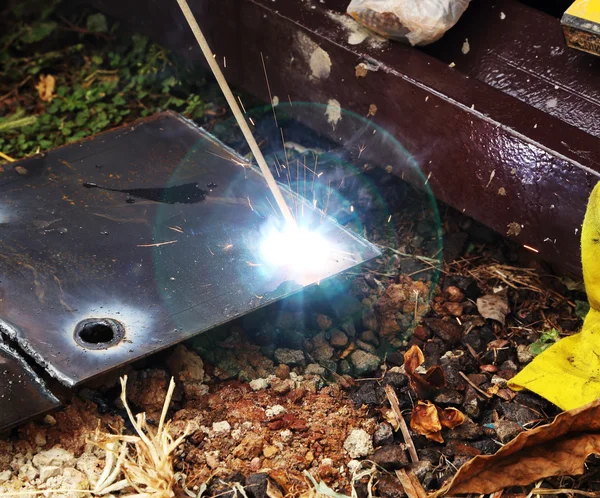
568,373
588,10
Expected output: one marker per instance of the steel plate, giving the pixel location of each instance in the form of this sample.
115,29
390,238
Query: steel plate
119,246
23,394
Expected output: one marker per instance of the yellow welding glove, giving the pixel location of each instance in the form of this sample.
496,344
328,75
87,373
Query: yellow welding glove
568,373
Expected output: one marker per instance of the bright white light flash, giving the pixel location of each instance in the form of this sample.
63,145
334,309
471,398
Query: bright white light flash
300,249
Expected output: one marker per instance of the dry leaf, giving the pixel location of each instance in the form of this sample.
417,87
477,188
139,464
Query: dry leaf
557,449
410,483
45,87
425,421
493,306
451,417
422,384
390,416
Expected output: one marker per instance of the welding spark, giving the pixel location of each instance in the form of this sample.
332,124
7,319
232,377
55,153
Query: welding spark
250,204
361,149
227,247
303,250
238,162
249,263
212,253
176,229
533,249
158,244
389,218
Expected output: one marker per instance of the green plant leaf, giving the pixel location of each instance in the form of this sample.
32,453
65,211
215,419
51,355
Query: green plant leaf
582,308
96,23
38,31
546,340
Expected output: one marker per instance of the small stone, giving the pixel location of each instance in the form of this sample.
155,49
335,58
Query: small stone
369,393
212,459
56,457
275,410
358,444
75,481
454,294
338,339
524,354
354,466
286,435
5,476
282,371
324,322
309,457
282,386
290,356
390,457
344,367
221,427
369,320
507,430
314,369
468,430
448,397
364,362
421,468
509,365
259,384
389,486
395,379
499,381
322,350
455,309
49,420
369,348
29,472
185,365
370,337
447,331
255,465
384,434
349,328
250,447
256,485
270,450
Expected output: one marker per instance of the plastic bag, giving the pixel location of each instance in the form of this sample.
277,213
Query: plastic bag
420,22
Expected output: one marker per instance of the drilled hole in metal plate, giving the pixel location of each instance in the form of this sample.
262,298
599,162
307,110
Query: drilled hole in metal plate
99,333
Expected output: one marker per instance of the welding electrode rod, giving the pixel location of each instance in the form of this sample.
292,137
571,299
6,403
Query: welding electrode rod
237,112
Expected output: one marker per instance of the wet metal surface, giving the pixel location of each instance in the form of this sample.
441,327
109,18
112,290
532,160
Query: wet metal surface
22,393
496,137
119,246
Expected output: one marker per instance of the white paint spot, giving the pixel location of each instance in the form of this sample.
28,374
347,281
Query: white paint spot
275,100
357,33
502,15
317,58
552,103
333,112
465,47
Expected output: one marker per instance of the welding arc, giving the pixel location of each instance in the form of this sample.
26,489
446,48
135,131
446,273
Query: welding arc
237,112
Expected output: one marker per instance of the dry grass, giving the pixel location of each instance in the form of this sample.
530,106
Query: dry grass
137,466
143,461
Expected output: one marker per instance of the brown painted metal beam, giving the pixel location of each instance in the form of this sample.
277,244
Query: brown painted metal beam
488,149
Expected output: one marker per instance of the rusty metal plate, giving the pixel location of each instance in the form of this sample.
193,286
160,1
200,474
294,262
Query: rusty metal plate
22,393
119,246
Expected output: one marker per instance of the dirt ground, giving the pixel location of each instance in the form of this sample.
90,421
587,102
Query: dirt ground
302,387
